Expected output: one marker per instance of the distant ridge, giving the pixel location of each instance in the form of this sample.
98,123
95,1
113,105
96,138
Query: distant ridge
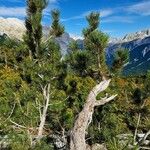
15,28
132,36
12,27
137,43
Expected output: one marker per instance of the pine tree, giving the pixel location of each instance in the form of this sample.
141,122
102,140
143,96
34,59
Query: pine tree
121,57
73,46
56,28
96,42
93,21
33,25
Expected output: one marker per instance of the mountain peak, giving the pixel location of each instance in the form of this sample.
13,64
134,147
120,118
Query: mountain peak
12,27
137,35
131,36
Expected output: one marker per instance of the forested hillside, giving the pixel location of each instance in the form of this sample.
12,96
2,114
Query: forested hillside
74,102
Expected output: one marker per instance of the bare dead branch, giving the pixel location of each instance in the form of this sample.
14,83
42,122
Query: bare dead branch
18,125
11,112
105,100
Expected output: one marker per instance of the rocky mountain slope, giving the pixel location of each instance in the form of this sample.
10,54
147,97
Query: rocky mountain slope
15,28
12,27
64,41
138,45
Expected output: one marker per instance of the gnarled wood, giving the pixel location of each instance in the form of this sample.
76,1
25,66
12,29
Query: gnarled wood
77,140
46,94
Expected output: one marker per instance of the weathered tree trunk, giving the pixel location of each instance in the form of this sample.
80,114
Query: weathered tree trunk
77,140
46,94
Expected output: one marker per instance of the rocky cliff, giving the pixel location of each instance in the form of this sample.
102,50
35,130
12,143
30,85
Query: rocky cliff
15,28
138,45
12,27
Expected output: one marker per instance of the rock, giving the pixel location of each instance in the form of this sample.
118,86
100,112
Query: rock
138,46
59,142
4,142
64,42
96,146
15,29
140,135
146,142
124,136
12,27
99,147
131,37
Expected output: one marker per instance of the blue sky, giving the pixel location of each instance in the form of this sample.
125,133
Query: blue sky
118,17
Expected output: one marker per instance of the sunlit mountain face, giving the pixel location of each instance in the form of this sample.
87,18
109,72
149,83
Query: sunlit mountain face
118,18
138,45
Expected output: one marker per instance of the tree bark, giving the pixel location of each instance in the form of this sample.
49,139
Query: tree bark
46,95
77,138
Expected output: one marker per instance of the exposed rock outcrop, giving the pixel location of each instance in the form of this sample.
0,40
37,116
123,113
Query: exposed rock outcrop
138,45
12,27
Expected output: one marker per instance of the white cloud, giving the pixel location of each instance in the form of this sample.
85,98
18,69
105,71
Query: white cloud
75,37
142,8
21,11
12,11
103,13
107,12
129,13
119,19
53,4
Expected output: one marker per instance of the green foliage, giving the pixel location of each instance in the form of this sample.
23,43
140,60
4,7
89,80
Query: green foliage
93,20
68,118
22,80
53,52
95,43
43,145
19,141
120,58
115,144
56,28
98,39
62,110
33,25
79,62
73,46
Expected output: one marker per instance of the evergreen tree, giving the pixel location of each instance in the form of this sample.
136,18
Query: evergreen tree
33,25
56,28
93,21
96,42
121,57
41,97
52,48
73,46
